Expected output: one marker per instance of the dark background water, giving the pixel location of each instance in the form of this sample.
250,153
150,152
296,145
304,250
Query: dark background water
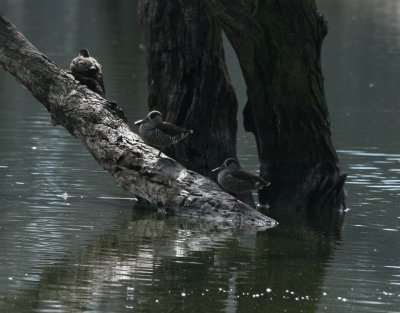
72,241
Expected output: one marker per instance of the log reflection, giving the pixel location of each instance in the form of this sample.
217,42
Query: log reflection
159,264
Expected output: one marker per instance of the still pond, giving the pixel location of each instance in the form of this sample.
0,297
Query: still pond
71,240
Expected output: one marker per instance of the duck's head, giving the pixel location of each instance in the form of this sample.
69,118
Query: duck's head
84,53
229,163
153,117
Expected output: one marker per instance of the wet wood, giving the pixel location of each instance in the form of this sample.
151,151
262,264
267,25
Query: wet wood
189,83
100,125
278,44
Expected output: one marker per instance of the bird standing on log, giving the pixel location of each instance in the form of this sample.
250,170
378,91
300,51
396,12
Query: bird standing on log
233,179
159,134
87,71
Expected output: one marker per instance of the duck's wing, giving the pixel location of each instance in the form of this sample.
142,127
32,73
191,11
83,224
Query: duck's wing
173,130
99,77
94,64
73,67
243,175
91,83
79,65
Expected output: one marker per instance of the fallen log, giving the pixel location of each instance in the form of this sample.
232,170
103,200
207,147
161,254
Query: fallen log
101,126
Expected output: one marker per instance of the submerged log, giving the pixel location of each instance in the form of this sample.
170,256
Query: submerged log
101,126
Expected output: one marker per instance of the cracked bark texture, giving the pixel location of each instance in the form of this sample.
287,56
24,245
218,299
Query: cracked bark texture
189,83
101,126
188,80
278,43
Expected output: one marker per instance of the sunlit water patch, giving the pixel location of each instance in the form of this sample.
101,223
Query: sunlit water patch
368,257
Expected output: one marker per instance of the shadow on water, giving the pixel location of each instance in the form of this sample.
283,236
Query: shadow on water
153,263
323,219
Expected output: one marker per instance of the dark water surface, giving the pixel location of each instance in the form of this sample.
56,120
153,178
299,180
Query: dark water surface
71,240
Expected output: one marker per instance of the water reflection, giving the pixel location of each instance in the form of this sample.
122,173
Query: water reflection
70,241
373,185
377,173
158,264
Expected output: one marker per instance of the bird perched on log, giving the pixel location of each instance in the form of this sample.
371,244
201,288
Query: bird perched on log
159,134
87,71
233,179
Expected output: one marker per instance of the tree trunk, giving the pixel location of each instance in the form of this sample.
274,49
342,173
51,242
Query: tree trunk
279,47
189,83
101,126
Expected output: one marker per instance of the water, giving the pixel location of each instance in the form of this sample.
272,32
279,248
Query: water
72,241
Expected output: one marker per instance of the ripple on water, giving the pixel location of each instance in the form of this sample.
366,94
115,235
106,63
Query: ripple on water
370,225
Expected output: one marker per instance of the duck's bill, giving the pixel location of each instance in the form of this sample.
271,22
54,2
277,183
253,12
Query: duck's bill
219,168
139,122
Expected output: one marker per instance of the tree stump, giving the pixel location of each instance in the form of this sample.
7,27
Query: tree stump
278,45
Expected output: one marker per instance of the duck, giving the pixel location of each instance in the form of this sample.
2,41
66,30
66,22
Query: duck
159,134
87,70
232,178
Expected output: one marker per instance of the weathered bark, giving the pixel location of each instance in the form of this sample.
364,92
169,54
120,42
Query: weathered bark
188,80
100,125
189,83
279,48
